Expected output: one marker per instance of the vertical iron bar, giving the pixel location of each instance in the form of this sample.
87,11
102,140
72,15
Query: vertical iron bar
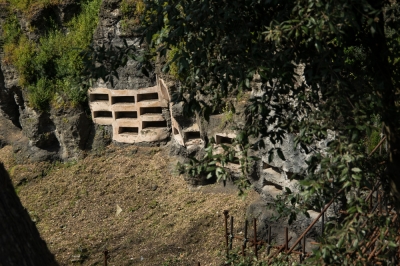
226,232
105,257
370,203
286,238
255,237
231,238
322,223
304,247
245,239
269,240
385,202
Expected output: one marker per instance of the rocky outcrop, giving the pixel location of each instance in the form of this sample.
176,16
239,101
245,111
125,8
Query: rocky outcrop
10,97
72,131
46,134
64,132
267,218
110,32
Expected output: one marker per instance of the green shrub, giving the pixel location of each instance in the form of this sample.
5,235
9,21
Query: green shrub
40,94
373,140
27,6
11,30
132,7
21,55
54,63
131,11
173,66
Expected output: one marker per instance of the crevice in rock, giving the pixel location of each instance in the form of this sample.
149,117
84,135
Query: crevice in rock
46,131
10,100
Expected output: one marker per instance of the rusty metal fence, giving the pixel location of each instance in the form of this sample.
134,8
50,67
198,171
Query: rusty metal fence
377,206
267,251
271,250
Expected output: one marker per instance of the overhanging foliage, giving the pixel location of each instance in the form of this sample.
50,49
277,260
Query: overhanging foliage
325,68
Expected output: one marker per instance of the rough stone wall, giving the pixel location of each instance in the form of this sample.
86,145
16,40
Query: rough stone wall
109,31
61,133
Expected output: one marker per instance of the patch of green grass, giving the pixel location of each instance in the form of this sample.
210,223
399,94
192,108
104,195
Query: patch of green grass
12,170
134,208
171,261
17,190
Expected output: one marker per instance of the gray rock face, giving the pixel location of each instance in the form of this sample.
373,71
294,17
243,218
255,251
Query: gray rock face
39,129
72,131
109,32
10,99
100,137
45,136
266,218
295,158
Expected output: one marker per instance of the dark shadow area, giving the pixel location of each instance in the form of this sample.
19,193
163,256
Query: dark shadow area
47,138
150,110
98,97
20,242
223,140
192,135
128,130
122,99
147,97
126,114
9,101
102,114
154,124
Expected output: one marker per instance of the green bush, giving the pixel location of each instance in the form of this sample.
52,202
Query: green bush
373,140
172,58
27,6
54,63
20,55
11,30
40,94
131,11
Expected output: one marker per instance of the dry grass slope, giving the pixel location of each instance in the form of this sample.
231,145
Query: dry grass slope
162,222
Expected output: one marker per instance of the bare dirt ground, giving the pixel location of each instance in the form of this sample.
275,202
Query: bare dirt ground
129,201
